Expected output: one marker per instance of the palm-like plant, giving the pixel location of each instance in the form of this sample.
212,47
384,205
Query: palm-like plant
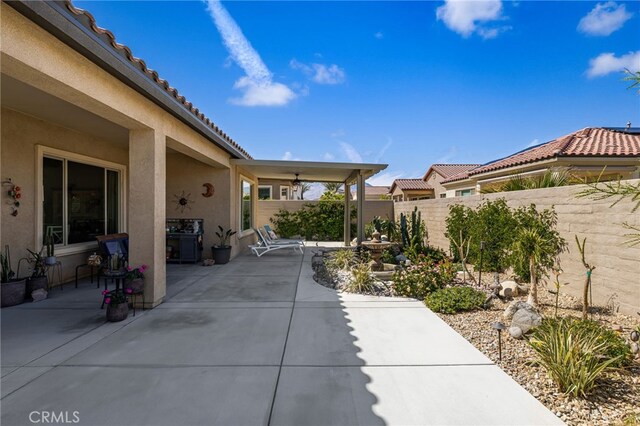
537,244
304,187
331,186
551,178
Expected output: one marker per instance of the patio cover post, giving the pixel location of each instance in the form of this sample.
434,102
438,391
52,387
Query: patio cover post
147,210
347,215
360,204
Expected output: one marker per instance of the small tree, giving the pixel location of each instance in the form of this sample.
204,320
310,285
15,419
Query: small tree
304,187
587,282
537,244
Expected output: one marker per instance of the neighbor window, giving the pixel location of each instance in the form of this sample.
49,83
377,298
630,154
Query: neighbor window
246,210
284,192
464,192
264,192
80,200
443,195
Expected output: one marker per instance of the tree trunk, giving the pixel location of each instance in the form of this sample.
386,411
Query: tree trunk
585,297
533,287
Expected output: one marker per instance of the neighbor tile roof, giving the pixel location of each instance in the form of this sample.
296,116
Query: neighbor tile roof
376,190
410,184
89,22
588,142
448,170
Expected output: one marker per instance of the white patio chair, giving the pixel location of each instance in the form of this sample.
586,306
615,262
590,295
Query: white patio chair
265,246
271,236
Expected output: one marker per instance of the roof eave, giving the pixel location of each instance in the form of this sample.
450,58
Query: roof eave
54,17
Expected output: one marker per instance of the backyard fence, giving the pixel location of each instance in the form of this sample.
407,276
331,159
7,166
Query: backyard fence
616,279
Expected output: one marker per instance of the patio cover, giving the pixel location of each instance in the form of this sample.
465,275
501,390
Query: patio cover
311,171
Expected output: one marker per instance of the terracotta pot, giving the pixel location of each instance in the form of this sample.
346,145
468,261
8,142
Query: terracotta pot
117,312
35,283
13,292
136,285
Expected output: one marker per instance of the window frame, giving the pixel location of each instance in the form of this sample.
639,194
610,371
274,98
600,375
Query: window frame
265,187
288,188
253,191
58,154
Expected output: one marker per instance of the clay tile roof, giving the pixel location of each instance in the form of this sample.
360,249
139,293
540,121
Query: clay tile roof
376,190
588,142
448,170
89,22
457,177
410,184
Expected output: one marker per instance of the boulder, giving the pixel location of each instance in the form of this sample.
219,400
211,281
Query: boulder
39,294
526,319
515,332
401,258
512,286
513,308
634,348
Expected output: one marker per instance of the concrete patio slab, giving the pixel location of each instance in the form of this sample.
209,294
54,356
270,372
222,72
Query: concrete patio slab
21,377
178,337
404,396
148,396
241,288
281,268
28,334
383,336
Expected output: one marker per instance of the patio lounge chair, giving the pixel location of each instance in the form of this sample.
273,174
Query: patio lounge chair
265,246
272,237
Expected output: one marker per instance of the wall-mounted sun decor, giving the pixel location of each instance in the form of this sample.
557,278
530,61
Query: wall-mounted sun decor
183,201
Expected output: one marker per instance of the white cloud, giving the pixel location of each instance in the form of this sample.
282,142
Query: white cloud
350,152
328,156
338,133
320,73
384,149
604,19
379,35
533,143
448,156
607,63
258,85
385,178
468,17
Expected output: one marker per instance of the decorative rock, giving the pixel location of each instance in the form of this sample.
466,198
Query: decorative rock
511,285
515,332
526,319
634,348
507,293
39,294
514,307
208,262
401,258
616,327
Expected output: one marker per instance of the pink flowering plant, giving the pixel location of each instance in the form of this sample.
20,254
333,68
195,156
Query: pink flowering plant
136,273
115,297
421,278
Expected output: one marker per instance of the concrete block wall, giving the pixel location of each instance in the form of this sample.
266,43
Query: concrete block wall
617,275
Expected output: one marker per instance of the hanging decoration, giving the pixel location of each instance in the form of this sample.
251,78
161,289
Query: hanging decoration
209,190
15,194
183,201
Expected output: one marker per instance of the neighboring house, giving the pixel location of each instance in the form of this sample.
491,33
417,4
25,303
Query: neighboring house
100,144
411,189
439,172
271,189
585,153
373,193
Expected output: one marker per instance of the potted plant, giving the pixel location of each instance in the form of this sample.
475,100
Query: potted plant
38,278
13,289
117,305
222,252
50,247
134,280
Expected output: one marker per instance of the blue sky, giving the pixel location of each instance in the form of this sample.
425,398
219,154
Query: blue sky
403,83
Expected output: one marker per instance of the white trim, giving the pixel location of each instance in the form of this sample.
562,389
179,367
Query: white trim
289,192
45,151
264,187
253,192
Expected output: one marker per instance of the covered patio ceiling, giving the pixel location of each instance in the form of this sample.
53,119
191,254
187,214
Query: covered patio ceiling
310,171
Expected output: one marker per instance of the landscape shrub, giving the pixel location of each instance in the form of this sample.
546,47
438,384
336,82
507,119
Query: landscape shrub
420,279
616,347
492,222
341,259
455,299
575,353
322,221
361,280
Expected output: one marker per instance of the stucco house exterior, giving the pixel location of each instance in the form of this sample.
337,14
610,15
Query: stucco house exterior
411,189
584,153
439,172
100,144
374,193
